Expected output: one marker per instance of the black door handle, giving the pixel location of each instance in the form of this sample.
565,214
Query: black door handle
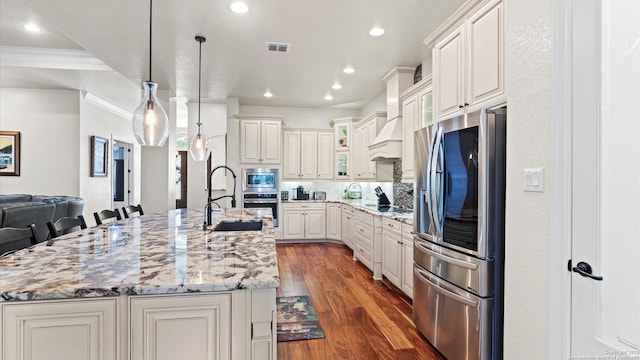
585,270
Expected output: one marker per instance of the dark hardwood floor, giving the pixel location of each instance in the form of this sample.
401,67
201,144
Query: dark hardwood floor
362,318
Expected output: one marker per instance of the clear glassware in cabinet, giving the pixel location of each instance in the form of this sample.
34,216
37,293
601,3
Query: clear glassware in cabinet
342,166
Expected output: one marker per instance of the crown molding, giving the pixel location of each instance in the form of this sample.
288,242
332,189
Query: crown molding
50,59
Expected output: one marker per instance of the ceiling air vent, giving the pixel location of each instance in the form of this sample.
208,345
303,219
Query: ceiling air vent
277,47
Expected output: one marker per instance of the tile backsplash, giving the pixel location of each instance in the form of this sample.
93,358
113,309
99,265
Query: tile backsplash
402,192
335,189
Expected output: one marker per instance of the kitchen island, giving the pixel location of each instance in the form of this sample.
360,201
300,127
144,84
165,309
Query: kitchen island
152,287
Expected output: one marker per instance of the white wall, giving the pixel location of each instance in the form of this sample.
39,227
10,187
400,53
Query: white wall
214,122
49,157
97,192
527,269
158,169
379,103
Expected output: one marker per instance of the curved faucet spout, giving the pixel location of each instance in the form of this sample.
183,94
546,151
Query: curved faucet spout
210,200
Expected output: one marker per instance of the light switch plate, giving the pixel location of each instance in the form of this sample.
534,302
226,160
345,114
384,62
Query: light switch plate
534,179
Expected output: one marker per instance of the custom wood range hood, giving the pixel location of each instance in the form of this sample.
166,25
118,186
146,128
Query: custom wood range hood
387,146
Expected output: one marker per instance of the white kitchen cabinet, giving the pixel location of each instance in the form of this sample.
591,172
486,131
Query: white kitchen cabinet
397,254
325,155
407,260
187,327
60,329
364,133
304,221
291,155
392,251
416,113
334,221
260,139
307,154
468,61
343,145
346,227
292,224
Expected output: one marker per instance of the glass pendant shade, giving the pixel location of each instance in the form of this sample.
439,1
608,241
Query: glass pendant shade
199,147
150,121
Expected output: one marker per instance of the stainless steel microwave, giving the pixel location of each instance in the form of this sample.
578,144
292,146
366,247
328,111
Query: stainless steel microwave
259,180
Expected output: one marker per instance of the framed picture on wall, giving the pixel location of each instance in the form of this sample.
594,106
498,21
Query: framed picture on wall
9,153
99,156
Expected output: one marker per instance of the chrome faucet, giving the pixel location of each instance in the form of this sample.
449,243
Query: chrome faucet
207,207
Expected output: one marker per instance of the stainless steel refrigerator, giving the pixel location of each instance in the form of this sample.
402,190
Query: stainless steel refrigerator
459,234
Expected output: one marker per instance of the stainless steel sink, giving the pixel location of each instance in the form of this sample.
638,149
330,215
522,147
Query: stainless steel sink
242,225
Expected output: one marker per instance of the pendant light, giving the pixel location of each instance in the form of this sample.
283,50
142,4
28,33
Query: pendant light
199,147
150,122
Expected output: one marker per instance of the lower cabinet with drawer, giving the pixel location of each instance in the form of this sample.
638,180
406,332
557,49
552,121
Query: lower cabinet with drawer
304,221
397,254
368,242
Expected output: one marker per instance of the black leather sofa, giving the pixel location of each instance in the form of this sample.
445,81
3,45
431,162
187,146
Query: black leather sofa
21,210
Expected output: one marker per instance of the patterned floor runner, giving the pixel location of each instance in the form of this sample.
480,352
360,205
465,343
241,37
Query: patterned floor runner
296,319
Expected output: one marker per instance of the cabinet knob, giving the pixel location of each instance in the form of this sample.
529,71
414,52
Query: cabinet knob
466,104
460,106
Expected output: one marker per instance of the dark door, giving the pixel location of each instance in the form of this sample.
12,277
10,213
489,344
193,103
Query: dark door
181,180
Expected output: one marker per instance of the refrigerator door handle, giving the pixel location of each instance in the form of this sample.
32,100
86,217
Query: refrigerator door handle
434,160
461,299
448,259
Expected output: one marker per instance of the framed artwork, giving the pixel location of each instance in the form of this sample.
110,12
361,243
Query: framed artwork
9,153
99,156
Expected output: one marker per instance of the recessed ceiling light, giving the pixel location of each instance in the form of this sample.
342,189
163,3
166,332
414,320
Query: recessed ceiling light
239,7
32,27
328,97
348,70
336,86
376,31
268,94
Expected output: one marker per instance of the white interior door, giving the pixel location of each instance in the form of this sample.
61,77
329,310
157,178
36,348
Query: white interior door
605,314
121,173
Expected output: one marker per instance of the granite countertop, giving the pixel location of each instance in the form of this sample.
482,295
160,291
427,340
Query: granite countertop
368,206
161,253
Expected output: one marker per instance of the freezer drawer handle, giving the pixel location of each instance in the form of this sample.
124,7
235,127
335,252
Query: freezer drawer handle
449,259
446,292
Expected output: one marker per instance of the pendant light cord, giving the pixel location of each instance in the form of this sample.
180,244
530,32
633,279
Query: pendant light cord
199,80
150,43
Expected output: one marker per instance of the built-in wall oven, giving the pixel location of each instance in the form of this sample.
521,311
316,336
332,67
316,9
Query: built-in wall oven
459,234
260,190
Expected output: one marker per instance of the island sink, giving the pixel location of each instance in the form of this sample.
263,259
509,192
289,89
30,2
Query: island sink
250,225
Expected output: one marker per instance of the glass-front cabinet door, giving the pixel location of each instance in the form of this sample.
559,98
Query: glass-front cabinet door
342,166
342,136
426,107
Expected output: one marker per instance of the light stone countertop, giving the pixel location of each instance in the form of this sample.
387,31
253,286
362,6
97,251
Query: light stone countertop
161,253
368,206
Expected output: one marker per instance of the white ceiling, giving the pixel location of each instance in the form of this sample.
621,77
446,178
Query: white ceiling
103,47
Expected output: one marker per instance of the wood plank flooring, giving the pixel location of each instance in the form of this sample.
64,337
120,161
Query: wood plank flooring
362,318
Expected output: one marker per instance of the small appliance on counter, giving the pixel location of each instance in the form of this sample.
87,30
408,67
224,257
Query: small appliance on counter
319,195
383,200
300,194
354,191
284,195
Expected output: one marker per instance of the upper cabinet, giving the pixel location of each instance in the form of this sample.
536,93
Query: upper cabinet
343,140
468,60
260,139
416,113
364,133
308,154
